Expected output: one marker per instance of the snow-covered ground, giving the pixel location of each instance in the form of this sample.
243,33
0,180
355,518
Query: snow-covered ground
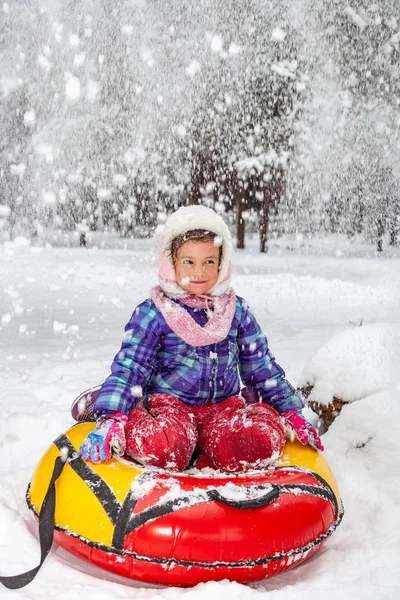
62,312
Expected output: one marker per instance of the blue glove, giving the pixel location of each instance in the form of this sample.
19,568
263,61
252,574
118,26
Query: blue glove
107,436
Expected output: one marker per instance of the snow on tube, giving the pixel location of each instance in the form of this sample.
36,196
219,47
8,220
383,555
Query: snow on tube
185,528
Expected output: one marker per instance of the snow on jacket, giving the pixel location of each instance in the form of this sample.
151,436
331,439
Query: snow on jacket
154,359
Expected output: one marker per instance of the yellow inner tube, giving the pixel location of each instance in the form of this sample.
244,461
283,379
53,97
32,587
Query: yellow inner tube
77,508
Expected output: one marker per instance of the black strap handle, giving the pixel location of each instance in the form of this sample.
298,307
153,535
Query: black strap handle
46,531
256,502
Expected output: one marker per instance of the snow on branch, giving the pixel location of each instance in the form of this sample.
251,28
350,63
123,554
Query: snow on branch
357,19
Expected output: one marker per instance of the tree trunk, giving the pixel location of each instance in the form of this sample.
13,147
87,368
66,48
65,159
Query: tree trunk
195,194
240,223
393,237
380,231
264,218
264,230
394,228
11,227
269,193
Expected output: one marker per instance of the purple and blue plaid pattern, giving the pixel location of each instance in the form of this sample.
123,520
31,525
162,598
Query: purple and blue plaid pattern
154,359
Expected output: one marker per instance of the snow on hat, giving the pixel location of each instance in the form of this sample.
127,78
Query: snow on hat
185,219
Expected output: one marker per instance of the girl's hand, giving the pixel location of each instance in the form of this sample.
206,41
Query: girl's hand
107,437
302,429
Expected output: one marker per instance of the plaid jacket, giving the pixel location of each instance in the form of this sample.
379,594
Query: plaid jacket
154,359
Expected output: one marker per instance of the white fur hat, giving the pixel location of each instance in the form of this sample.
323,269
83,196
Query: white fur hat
181,221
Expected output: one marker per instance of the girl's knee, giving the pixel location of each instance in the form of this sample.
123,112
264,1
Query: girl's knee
163,434
243,438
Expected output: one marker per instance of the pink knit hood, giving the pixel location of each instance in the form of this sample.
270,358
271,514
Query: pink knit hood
185,219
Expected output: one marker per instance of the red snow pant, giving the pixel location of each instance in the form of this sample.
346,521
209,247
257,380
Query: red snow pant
232,435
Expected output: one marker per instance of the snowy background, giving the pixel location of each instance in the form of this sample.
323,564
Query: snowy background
111,114
62,316
284,116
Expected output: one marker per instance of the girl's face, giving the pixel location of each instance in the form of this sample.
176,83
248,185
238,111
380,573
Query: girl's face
196,266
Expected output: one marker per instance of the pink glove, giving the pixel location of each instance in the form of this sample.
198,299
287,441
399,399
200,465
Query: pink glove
302,429
108,436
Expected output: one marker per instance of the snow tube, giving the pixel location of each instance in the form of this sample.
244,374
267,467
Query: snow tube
191,527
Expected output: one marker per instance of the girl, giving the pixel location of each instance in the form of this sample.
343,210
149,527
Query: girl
175,384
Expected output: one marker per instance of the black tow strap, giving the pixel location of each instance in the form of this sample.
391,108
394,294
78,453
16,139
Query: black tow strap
46,531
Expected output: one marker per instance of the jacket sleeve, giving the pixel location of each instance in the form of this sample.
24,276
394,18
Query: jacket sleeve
258,368
132,366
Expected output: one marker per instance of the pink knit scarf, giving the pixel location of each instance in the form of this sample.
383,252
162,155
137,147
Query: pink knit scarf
183,324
